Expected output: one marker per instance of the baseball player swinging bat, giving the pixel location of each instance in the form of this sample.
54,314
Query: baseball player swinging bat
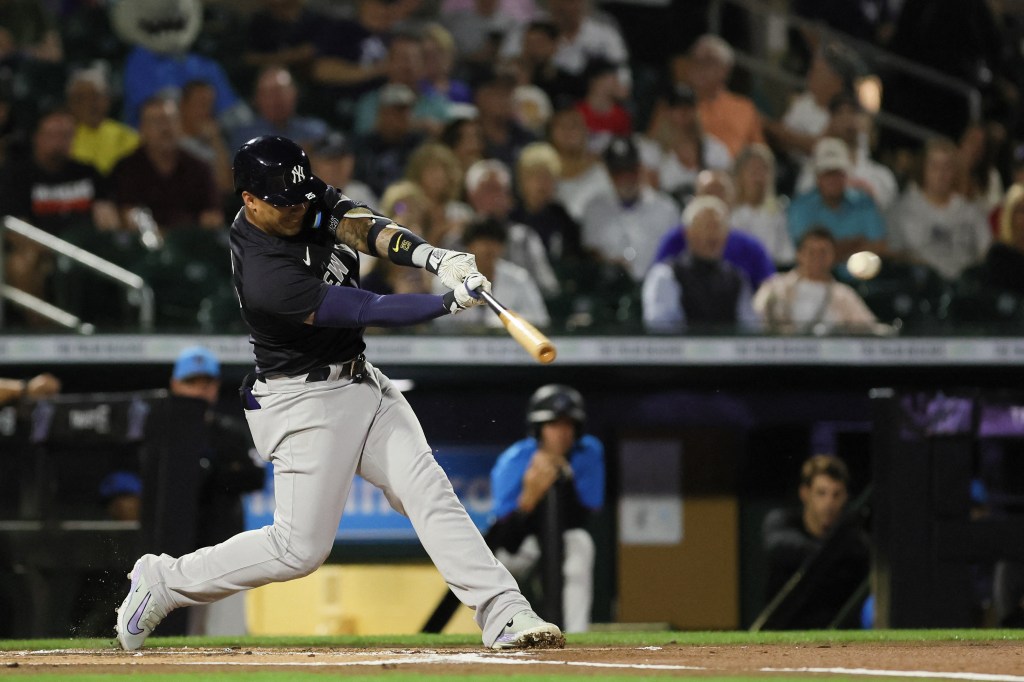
525,334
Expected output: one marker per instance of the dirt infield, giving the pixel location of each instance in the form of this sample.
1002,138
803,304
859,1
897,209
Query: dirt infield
990,661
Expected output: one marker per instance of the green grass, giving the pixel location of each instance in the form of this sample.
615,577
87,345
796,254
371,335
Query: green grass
588,639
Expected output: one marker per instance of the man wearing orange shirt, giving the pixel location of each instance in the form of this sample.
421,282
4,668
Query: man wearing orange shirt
730,117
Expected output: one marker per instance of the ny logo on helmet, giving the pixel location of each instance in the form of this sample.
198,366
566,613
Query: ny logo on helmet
298,175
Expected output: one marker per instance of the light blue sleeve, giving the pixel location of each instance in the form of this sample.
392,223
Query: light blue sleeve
507,476
799,217
587,463
366,113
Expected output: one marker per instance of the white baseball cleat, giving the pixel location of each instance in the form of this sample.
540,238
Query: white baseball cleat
526,630
139,612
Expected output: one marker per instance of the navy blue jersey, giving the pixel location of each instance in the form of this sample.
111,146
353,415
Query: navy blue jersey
279,282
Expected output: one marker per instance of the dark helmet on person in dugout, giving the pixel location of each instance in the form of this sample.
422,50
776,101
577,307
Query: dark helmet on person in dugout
552,402
276,170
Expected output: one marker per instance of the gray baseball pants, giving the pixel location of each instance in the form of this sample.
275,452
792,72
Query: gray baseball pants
319,436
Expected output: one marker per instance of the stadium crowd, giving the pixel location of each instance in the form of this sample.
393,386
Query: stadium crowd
608,162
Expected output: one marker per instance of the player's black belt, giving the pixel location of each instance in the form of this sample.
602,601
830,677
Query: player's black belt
355,368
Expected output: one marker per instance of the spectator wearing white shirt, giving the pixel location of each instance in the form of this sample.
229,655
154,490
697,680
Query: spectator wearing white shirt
582,37
489,193
808,298
583,175
626,226
933,223
756,209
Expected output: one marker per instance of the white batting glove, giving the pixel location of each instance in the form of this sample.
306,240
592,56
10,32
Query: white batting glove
451,267
467,294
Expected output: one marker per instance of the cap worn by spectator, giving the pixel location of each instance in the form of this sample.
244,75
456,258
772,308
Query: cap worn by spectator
333,145
119,483
621,155
831,154
196,361
397,95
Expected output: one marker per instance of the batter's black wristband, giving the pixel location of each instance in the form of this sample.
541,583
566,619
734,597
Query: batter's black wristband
402,244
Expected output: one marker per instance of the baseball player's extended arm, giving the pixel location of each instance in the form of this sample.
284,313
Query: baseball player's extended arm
357,226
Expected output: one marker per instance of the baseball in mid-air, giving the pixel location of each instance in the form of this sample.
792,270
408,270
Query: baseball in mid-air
864,264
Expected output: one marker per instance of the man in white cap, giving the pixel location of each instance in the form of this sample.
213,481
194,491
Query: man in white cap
848,213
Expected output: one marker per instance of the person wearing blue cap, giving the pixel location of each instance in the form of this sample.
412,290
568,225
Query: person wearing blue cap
196,374
229,470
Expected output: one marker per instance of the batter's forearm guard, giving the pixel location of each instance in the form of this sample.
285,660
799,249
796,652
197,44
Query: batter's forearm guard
402,245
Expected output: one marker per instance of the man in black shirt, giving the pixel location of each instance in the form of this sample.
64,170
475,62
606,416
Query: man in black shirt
793,537
321,413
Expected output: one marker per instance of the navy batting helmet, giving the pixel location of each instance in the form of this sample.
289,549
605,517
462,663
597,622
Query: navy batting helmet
276,170
555,401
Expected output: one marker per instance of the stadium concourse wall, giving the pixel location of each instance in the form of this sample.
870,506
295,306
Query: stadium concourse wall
703,434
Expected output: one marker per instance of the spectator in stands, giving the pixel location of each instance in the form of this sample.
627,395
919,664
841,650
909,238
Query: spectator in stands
351,57
852,124
792,537
581,38
405,66
175,187
850,214
536,63
282,33
489,193
676,149
463,136
503,137
333,160
758,211
808,298
933,223
602,107
148,73
538,207
201,133
833,71
730,117
979,153
518,10
583,177
624,227
39,386
698,288
478,30
28,29
382,154
53,192
531,108
1004,262
100,141
405,202
868,20
514,286
275,100
439,64
435,170
743,250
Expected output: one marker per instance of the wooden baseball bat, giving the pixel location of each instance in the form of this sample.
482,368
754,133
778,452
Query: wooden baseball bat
525,334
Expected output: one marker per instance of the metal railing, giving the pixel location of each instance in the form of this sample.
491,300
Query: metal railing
138,292
876,56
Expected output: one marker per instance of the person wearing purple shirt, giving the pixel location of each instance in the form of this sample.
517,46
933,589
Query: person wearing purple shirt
741,250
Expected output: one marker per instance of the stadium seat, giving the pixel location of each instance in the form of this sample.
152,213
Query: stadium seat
912,293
